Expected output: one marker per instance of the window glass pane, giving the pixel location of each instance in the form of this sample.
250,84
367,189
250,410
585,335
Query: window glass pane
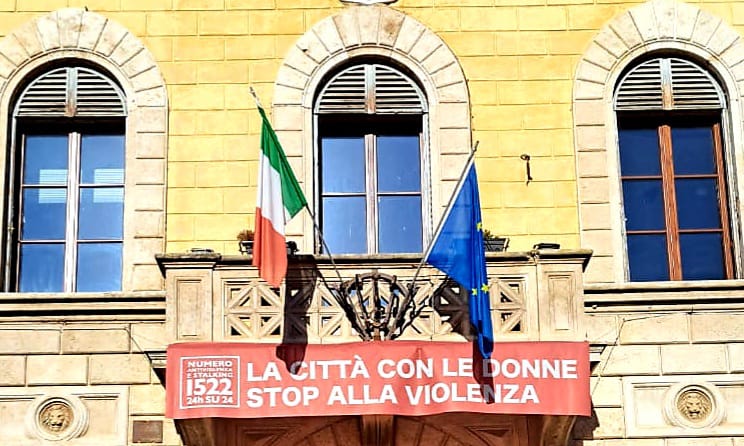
400,224
99,267
697,203
45,159
639,152
647,257
398,164
42,267
44,214
702,256
343,165
102,159
644,205
345,224
101,213
692,150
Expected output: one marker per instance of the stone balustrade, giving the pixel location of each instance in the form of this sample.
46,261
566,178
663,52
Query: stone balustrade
535,296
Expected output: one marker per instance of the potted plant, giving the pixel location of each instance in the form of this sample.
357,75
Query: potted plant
245,241
494,243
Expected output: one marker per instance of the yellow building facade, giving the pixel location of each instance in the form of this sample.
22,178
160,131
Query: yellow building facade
546,90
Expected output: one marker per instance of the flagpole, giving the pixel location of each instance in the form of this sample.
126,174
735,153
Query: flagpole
409,295
255,97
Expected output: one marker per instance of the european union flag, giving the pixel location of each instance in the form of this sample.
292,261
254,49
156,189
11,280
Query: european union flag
458,251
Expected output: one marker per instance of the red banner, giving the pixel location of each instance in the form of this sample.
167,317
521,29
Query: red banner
396,377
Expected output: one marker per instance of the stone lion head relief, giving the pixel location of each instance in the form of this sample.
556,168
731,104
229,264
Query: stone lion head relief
56,417
694,405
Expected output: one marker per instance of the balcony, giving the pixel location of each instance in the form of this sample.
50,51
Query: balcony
535,296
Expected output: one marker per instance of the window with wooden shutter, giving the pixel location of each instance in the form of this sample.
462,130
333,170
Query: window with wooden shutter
371,89
371,172
66,218
71,92
673,172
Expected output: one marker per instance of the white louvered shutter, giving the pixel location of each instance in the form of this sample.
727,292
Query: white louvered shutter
668,84
371,88
71,92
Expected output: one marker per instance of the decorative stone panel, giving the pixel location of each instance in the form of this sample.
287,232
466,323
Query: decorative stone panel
77,34
76,416
385,33
256,312
656,25
700,405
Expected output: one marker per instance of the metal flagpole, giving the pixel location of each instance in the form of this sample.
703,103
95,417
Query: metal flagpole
451,202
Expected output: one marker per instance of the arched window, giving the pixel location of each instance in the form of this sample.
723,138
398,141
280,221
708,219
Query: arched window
673,171
67,184
372,180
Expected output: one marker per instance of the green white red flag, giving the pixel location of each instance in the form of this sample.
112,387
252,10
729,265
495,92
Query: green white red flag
279,199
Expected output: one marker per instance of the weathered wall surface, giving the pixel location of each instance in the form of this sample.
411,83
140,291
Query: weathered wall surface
662,348
95,371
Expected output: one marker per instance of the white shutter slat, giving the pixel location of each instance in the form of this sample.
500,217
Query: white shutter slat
693,87
641,88
346,92
396,93
97,95
45,96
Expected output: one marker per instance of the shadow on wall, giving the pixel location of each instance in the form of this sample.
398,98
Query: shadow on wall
297,302
583,429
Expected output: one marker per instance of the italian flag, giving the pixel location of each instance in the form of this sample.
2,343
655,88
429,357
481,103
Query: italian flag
279,199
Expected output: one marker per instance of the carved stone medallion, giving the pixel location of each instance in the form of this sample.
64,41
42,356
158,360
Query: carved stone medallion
694,405
369,2
57,418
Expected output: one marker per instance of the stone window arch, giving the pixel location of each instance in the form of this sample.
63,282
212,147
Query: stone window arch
74,37
381,33
657,27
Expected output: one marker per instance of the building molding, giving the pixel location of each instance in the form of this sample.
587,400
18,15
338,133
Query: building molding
654,26
78,34
386,34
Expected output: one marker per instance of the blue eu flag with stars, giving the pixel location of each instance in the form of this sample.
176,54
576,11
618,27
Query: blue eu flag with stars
458,251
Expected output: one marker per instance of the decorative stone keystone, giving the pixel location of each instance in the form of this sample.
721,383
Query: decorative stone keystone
369,2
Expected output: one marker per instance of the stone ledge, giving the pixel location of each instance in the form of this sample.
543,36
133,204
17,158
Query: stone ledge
115,306
690,296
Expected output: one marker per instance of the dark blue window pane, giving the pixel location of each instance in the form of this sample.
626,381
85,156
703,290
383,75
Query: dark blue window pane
400,224
44,214
345,224
692,150
42,268
702,256
45,159
647,257
99,267
639,152
102,159
644,205
697,203
343,165
101,213
398,164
